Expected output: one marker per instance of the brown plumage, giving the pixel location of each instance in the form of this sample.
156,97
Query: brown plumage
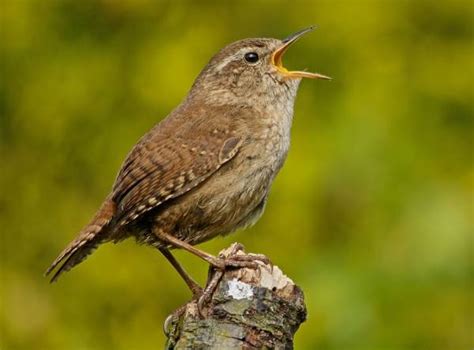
207,168
86,241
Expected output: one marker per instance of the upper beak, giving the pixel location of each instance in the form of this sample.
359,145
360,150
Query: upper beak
278,55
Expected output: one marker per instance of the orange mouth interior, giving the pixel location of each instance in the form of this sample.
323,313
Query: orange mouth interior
277,61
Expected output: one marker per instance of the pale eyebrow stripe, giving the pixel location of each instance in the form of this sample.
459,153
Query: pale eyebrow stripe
234,57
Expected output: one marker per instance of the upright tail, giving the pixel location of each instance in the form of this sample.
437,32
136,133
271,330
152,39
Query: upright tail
86,241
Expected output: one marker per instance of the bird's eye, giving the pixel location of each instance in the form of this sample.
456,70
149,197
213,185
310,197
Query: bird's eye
251,57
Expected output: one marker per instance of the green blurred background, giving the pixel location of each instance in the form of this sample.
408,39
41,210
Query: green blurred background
371,215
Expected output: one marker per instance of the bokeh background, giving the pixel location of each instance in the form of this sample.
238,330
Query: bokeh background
371,215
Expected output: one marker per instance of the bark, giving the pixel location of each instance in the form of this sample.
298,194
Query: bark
249,309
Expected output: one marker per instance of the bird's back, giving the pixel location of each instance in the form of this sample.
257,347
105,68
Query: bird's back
174,157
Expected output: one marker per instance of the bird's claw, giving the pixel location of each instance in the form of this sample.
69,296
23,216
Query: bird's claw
238,261
171,317
252,257
218,268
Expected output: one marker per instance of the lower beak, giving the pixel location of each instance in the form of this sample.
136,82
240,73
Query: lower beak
277,57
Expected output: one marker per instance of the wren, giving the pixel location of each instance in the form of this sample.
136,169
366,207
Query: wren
207,168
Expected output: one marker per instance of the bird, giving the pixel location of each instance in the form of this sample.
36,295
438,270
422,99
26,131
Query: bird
207,168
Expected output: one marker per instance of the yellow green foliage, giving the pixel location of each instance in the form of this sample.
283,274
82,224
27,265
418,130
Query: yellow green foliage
371,215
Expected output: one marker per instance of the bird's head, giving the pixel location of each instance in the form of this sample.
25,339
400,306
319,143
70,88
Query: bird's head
252,68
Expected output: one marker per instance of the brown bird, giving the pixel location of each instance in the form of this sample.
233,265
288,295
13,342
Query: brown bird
207,168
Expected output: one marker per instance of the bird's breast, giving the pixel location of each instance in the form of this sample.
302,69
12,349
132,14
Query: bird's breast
274,138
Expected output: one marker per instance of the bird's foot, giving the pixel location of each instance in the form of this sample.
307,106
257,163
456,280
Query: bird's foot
233,258
237,258
248,260
176,314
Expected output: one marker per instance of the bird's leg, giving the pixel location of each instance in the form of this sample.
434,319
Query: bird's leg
213,279
192,284
217,268
219,262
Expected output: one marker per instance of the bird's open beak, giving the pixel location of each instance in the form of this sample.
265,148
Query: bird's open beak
278,55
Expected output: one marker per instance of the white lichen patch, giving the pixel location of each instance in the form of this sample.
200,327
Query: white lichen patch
239,290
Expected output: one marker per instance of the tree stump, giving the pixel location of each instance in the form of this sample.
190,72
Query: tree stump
249,309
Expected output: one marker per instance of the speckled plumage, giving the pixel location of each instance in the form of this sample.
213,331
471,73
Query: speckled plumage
207,168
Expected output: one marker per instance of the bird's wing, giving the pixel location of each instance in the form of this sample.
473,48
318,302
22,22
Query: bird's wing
167,164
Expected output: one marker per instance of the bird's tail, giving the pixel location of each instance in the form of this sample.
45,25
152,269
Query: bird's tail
87,240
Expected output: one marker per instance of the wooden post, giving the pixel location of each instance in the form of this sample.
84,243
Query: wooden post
249,309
